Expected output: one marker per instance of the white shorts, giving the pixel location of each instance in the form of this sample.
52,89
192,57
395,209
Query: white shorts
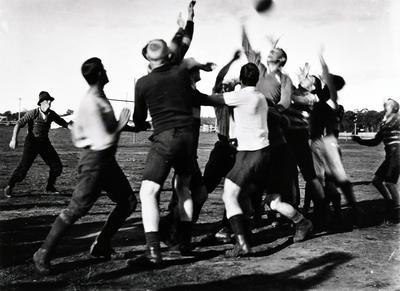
327,160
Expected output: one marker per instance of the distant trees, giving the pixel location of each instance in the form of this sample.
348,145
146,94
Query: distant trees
366,120
12,116
208,120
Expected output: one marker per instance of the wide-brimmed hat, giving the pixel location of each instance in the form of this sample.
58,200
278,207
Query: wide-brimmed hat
44,96
155,49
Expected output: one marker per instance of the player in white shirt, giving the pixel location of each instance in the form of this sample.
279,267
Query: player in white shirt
250,111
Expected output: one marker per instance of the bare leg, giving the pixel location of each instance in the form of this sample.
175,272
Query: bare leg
150,212
185,201
380,186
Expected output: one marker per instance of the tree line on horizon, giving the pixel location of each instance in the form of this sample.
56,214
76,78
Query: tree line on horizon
366,120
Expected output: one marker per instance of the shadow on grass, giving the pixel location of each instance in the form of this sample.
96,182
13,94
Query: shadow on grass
141,267
291,279
21,237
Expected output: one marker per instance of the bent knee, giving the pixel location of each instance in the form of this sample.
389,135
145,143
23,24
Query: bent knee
275,203
70,215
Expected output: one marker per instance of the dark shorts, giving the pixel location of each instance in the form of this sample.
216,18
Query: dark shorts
220,162
300,147
250,167
172,148
282,172
389,170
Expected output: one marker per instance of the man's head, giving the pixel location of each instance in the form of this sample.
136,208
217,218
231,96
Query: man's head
391,106
249,75
156,50
45,101
277,56
94,73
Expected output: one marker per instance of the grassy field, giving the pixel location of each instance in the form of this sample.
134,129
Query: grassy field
366,258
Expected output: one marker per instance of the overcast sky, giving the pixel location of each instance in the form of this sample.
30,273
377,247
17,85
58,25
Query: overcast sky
44,42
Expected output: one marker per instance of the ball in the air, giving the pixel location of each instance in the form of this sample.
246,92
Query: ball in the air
263,5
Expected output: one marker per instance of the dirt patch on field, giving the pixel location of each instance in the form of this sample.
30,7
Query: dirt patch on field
366,258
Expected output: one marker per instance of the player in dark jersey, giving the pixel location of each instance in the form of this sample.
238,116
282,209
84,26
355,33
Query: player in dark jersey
387,175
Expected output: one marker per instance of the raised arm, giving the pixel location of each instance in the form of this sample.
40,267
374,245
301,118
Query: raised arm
328,78
222,73
181,41
251,54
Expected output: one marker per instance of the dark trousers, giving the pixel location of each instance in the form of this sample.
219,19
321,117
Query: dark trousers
34,146
97,171
282,175
221,160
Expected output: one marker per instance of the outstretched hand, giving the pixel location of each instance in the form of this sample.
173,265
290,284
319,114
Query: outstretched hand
123,118
13,144
237,55
191,10
180,21
208,67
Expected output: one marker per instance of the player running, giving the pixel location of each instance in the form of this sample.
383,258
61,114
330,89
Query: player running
96,131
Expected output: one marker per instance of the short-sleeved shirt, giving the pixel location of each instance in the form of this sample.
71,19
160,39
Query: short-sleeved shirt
95,124
39,123
250,112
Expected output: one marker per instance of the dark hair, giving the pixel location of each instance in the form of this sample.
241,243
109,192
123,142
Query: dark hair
317,85
338,82
395,105
249,74
283,58
90,70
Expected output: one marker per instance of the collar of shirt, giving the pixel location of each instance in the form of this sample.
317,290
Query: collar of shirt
249,88
162,68
44,115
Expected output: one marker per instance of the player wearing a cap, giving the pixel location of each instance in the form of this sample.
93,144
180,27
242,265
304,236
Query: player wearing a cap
37,142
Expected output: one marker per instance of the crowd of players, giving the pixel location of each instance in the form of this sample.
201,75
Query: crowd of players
267,130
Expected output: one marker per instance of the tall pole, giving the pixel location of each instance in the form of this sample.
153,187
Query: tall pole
19,108
134,85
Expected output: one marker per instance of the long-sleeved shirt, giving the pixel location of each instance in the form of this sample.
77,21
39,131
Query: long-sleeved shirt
298,112
167,93
95,124
276,87
388,133
39,123
324,119
182,40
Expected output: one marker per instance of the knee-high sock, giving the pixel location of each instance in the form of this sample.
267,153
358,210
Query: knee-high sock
57,230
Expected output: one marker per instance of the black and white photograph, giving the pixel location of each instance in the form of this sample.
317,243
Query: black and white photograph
199,145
